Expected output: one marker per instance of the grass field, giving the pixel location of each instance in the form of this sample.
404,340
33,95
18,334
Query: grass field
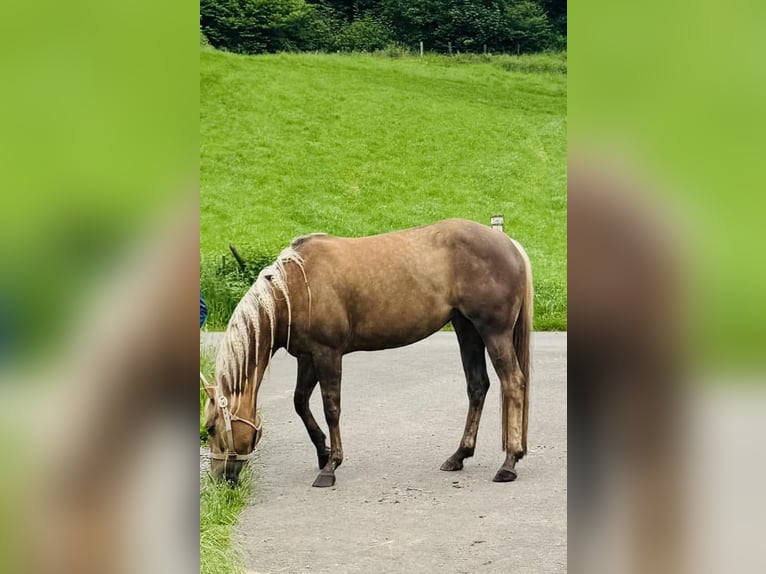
361,144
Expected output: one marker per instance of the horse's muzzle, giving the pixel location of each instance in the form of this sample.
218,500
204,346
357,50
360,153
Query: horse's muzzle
227,469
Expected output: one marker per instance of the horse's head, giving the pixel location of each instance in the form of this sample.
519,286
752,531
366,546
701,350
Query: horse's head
249,341
233,428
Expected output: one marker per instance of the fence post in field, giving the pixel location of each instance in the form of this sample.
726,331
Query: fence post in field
421,48
485,49
497,222
449,46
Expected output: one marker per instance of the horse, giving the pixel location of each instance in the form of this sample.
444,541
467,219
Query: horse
327,296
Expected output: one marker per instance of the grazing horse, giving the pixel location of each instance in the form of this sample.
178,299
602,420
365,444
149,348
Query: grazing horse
326,296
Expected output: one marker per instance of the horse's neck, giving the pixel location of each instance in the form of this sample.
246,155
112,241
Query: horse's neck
266,345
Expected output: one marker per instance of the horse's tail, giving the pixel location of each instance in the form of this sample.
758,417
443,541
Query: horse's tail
522,335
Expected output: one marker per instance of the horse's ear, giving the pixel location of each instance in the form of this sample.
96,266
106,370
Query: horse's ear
209,390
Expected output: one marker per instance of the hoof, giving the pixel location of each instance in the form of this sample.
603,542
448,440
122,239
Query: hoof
505,475
324,458
324,480
450,465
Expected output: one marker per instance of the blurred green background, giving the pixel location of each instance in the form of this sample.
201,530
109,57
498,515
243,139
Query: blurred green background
676,90
99,116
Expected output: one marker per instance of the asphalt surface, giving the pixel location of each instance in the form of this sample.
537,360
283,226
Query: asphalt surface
392,510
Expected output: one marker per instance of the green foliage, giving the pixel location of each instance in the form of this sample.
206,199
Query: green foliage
412,22
257,26
320,30
556,10
254,26
224,283
470,25
356,145
363,35
526,27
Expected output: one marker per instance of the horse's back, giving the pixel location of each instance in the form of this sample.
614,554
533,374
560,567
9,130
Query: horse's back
449,238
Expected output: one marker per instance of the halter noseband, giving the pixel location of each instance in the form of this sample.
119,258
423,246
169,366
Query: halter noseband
223,403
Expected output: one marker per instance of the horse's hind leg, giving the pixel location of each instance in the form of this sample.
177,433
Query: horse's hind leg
475,368
512,380
307,381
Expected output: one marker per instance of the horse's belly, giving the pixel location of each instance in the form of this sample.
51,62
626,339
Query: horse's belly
396,327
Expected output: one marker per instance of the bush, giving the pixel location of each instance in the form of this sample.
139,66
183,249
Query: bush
255,26
395,50
363,35
469,26
528,28
320,30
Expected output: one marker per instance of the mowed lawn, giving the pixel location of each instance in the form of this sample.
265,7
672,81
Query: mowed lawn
358,144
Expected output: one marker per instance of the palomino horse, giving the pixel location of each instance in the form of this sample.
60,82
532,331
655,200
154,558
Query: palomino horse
327,296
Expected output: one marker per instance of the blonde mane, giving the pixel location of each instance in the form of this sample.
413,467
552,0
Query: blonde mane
238,352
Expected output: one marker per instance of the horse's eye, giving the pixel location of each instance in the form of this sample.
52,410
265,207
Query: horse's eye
211,430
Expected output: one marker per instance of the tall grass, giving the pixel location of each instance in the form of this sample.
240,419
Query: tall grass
547,63
543,63
220,506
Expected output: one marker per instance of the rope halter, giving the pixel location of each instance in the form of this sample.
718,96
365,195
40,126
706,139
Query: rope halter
222,403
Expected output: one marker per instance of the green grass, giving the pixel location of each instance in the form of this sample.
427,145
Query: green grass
219,507
546,63
361,144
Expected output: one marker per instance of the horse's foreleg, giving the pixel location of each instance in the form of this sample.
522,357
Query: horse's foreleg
475,368
328,370
305,385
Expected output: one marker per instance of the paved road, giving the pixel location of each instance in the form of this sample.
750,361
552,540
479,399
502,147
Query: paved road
392,509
